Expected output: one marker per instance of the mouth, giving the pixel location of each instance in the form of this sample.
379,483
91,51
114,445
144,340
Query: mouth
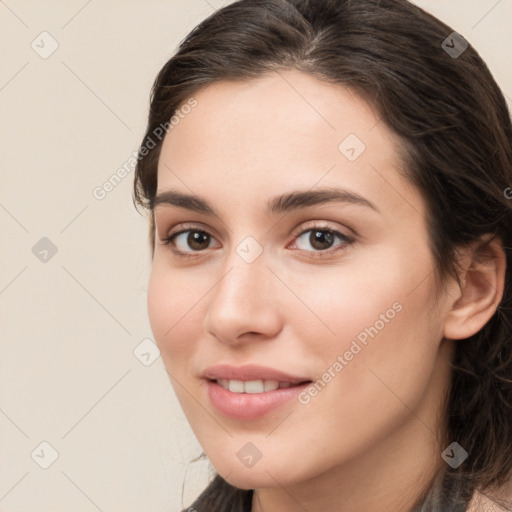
252,400
256,386
251,391
255,377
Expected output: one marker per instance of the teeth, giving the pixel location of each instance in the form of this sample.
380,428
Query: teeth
236,386
252,386
271,385
223,382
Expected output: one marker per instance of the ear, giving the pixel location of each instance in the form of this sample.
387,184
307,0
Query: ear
483,280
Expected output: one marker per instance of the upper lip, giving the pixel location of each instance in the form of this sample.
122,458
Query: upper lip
250,372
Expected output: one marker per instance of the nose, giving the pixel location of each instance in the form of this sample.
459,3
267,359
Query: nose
244,303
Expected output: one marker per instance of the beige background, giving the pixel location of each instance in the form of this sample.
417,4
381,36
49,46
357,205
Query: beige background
72,325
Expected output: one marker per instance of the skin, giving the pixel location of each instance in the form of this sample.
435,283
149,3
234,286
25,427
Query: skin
374,425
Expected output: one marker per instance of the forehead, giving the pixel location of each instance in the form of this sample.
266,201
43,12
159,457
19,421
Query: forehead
283,130
279,106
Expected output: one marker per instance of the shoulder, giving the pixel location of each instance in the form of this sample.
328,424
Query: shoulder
482,503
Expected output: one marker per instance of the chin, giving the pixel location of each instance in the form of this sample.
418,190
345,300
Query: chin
249,478
260,476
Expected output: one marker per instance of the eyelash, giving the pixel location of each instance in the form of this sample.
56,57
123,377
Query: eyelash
169,241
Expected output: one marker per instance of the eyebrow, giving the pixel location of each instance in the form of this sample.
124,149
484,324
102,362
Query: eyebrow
279,204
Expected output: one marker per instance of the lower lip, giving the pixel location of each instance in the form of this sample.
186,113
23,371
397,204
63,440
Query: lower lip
250,406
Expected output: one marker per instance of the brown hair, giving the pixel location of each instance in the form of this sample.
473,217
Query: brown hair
457,146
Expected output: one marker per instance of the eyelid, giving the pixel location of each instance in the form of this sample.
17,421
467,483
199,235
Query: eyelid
181,228
321,225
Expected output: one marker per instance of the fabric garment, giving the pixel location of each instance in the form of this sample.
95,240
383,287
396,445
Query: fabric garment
219,496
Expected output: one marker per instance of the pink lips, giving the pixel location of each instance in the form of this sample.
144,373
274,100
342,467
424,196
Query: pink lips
249,372
250,406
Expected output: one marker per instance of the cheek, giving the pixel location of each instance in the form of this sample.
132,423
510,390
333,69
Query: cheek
174,314
347,304
384,350
371,322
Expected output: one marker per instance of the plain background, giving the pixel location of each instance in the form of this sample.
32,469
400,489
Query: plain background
72,323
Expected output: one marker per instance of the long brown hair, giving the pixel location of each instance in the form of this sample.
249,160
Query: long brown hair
457,146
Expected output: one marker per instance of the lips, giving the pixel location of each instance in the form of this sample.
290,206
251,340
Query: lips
253,386
250,392
251,373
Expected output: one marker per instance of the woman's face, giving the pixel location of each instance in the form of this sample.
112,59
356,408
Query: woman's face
338,292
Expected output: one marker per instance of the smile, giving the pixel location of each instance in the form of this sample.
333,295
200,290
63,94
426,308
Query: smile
253,386
250,401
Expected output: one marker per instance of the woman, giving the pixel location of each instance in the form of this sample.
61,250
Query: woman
331,234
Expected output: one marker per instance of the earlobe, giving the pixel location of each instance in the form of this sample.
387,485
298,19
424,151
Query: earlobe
482,289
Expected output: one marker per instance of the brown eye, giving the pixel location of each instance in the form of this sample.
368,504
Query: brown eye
198,240
320,239
190,239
